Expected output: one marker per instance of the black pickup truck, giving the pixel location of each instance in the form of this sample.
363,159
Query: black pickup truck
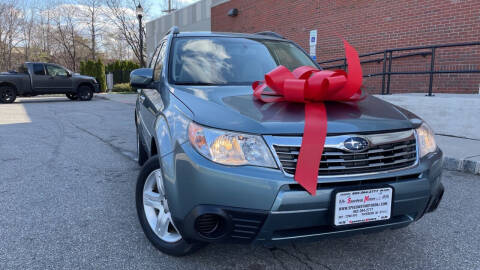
33,79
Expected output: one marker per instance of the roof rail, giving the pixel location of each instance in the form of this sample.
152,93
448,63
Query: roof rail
270,33
174,30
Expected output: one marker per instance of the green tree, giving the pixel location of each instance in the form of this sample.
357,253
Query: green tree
96,70
101,78
121,70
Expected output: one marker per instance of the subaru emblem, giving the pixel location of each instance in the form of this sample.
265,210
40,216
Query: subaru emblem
356,144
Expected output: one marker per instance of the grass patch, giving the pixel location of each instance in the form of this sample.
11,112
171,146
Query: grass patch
123,88
123,93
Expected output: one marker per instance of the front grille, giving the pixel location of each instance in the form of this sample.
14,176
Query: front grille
382,157
246,225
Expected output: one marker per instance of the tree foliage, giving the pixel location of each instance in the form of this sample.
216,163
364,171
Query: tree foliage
121,70
95,69
65,32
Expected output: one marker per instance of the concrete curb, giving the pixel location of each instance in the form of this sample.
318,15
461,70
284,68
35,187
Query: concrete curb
461,165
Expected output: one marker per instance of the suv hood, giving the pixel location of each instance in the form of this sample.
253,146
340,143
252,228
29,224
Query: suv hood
82,76
234,108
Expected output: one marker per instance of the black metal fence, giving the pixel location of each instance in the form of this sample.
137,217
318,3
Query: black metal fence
120,76
388,58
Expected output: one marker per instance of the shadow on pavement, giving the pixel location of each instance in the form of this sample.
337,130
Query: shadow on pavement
24,100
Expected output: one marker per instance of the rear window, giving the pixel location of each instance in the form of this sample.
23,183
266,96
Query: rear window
38,69
224,60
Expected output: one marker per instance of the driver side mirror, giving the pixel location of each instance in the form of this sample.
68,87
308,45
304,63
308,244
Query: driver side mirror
141,78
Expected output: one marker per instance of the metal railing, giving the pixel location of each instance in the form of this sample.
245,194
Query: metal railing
388,57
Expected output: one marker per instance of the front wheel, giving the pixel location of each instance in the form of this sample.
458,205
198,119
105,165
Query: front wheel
7,94
154,213
85,93
142,155
72,96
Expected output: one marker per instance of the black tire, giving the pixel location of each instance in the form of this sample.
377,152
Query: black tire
85,92
179,248
142,155
8,94
72,96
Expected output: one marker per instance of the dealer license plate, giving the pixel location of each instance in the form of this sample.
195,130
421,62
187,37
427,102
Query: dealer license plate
362,206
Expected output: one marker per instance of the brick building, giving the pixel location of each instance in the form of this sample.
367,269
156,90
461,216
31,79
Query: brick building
373,25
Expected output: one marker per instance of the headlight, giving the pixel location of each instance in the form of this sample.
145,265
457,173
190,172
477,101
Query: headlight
426,140
230,148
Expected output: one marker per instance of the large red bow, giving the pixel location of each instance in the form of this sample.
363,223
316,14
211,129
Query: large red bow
312,86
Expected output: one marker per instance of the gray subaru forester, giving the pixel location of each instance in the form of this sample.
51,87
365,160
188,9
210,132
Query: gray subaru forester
218,165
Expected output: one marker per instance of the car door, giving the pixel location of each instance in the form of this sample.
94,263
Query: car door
60,79
40,79
150,99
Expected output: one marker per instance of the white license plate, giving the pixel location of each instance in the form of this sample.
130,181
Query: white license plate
361,206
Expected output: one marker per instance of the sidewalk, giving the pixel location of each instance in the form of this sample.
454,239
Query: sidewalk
453,117
455,120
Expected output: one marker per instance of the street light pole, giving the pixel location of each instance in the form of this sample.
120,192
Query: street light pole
139,11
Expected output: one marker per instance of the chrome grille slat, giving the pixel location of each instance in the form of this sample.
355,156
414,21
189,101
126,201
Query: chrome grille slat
337,160
369,166
385,155
372,151
358,167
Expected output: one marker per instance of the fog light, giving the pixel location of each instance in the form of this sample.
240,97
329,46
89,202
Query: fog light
210,226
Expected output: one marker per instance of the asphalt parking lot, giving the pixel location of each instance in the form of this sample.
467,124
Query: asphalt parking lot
67,179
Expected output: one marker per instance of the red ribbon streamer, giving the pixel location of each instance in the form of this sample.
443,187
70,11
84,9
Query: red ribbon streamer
312,86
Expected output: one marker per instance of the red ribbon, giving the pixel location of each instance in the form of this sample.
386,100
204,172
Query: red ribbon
312,86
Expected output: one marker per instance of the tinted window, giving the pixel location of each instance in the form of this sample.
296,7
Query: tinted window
38,69
56,71
222,60
22,69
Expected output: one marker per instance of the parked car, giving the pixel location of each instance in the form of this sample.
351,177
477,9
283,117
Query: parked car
218,164
33,79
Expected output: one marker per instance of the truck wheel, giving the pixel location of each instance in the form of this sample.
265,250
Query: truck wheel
154,214
7,94
85,93
72,96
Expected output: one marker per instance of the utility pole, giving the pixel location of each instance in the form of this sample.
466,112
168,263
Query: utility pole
170,9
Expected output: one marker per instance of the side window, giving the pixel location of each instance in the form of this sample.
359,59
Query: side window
22,69
38,69
56,71
155,55
157,70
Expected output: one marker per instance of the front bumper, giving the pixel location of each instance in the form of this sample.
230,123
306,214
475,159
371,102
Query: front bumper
96,87
262,205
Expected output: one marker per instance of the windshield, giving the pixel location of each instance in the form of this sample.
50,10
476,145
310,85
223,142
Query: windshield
223,60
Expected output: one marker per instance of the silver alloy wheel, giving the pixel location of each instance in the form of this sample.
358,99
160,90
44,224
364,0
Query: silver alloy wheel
156,208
